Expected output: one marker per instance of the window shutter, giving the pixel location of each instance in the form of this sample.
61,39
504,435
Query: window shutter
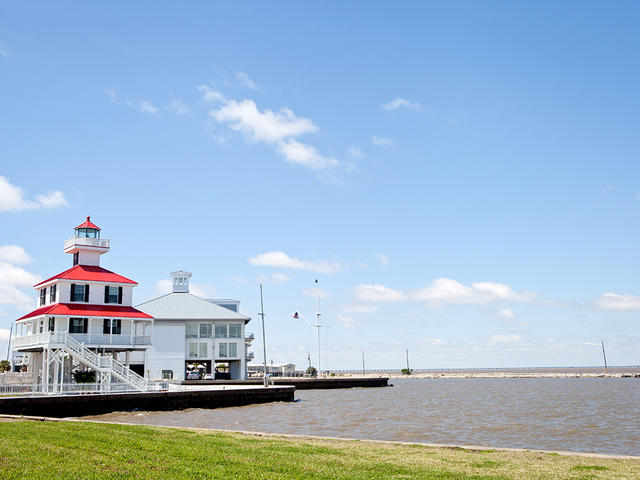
106,326
85,327
86,293
119,294
72,293
70,324
106,294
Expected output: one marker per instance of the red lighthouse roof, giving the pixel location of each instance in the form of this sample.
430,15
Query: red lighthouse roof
88,224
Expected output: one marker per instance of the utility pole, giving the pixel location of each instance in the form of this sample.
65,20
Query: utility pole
606,370
407,353
363,362
318,323
264,342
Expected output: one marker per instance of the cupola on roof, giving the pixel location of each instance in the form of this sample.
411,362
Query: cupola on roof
87,224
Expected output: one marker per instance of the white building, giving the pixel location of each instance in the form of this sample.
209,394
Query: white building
85,320
191,332
273,369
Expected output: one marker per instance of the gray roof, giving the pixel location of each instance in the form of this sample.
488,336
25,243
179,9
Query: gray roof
185,306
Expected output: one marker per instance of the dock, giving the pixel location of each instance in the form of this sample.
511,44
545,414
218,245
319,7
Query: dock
97,404
302,383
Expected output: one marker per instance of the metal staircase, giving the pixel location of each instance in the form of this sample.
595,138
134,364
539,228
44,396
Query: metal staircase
106,367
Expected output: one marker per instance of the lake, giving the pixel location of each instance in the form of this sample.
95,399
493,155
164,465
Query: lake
599,415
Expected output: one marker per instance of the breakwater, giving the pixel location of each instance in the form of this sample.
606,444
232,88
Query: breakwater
304,383
97,404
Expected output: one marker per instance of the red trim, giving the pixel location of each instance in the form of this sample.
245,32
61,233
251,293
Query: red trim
88,224
83,310
89,273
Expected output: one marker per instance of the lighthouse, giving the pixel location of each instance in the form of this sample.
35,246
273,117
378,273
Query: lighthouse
85,322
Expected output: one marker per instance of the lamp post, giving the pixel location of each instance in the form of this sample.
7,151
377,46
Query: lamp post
264,342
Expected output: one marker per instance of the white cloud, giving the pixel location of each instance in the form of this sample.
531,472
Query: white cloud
14,254
210,95
354,151
383,142
274,278
113,95
282,260
276,128
12,197
177,106
4,334
12,278
616,302
3,52
444,291
246,80
305,155
495,339
506,314
382,259
378,293
363,309
347,321
265,126
317,292
240,279
400,103
145,106
592,344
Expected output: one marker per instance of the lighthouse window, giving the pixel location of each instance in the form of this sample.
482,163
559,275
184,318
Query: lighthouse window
43,296
78,325
52,294
112,294
52,324
79,292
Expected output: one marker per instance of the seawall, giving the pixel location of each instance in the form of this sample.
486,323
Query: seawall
303,383
96,404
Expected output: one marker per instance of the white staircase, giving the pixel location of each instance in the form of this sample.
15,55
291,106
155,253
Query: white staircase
105,366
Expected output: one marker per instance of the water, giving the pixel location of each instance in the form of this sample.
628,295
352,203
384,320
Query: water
579,414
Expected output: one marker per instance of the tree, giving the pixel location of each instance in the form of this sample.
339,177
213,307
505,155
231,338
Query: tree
84,376
406,371
312,371
5,366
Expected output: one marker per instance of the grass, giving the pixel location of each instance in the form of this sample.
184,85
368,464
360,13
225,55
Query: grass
72,450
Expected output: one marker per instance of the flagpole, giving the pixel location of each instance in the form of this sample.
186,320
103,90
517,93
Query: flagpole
264,342
318,323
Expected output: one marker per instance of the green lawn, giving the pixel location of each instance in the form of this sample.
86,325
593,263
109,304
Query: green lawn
60,450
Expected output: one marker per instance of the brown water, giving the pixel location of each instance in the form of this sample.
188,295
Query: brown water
580,414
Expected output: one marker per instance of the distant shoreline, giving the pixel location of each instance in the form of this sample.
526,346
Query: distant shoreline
635,373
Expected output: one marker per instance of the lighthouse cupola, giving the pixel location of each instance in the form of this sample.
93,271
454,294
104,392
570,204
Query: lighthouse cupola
86,245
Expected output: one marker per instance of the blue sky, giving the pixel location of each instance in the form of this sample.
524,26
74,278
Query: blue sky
462,178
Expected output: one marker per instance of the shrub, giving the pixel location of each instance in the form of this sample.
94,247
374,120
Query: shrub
84,376
312,371
406,371
5,366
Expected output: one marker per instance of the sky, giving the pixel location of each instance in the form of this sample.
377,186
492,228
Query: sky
460,177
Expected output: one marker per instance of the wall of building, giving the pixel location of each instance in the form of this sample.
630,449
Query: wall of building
167,351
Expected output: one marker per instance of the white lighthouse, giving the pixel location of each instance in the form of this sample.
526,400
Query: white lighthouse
85,321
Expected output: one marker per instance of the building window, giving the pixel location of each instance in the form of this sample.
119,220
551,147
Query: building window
52,324
222,350
233,350
229,306
235,330
79,293
112,326
205,330
41,326
43,296
198,349
221,330
192,330
52,293
76,258
112,294
78,325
